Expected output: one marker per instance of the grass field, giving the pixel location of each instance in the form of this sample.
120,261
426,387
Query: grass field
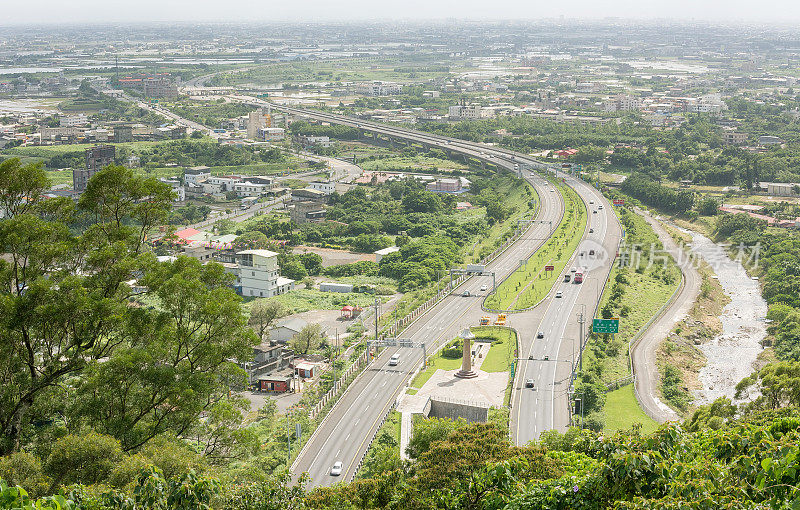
622,412
501,355
435,362
411,164
529,284
303,300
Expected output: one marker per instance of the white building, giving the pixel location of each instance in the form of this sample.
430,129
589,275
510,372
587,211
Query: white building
196,174
257,274
472,112
74,120
250,189
621,103
325,187
175,184
271,134
378,88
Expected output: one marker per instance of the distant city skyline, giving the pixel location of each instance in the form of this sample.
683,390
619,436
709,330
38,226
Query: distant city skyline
98,11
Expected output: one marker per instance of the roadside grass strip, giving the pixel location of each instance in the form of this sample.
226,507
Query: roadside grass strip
529,284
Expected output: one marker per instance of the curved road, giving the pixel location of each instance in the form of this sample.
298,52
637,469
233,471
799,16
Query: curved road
643,351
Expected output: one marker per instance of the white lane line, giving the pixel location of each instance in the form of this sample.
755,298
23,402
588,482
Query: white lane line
340,451
348,437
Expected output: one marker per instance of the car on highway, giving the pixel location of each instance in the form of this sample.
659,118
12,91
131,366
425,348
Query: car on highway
529,383
594,212
572,270
465,294
591,252
558,294
540,334
591,202
394,360
483,153
600,206
483,288
336,470
566,277
591,231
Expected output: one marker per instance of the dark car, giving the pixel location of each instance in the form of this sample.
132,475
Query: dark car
539,335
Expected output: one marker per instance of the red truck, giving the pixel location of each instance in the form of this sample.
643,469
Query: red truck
578,277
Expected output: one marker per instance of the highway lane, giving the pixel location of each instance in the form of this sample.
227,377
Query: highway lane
546,406
345,433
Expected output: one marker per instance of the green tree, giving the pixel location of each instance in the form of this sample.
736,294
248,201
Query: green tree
263,313
62,294
307,339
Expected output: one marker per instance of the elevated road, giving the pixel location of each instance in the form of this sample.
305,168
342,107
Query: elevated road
344,434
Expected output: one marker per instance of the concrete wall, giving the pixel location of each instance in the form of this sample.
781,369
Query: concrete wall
440,408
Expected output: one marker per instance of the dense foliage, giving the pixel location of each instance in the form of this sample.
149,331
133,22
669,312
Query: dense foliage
750,462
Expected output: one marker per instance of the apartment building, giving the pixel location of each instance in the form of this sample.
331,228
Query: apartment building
97,158
257,274
378,88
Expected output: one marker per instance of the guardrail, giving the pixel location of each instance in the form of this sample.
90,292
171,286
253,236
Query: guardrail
339,384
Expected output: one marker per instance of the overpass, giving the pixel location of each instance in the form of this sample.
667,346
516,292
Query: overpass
484,153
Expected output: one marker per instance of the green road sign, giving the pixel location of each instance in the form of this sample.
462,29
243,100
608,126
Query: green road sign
605,325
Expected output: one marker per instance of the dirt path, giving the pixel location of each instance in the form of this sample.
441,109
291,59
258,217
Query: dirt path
643,351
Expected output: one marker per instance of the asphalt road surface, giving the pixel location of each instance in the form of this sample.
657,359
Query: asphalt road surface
345,433
546,406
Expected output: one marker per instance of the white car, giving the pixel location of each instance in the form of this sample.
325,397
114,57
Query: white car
483,288
336,470
591,202
558,294
600,206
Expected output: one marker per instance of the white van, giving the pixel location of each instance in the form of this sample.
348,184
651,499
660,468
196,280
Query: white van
394,360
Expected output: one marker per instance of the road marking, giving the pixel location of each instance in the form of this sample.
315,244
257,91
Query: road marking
348,437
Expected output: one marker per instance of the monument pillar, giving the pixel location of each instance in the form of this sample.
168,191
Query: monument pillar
466,371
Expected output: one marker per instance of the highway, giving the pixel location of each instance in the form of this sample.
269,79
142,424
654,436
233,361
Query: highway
546,405
345,433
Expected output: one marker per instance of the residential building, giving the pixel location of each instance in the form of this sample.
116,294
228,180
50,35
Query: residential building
284,330
256,120
305,194
250,189
621,102
73,120
271,134
312,141
177,188
769,140
196,174
456,185
257,274
472,111
97,158
325,187
378,88
307,211
734,138
123,134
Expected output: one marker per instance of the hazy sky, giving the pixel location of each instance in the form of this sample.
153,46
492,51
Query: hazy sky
60,11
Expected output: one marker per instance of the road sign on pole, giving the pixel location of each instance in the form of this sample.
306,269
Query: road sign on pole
605,325
549,268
